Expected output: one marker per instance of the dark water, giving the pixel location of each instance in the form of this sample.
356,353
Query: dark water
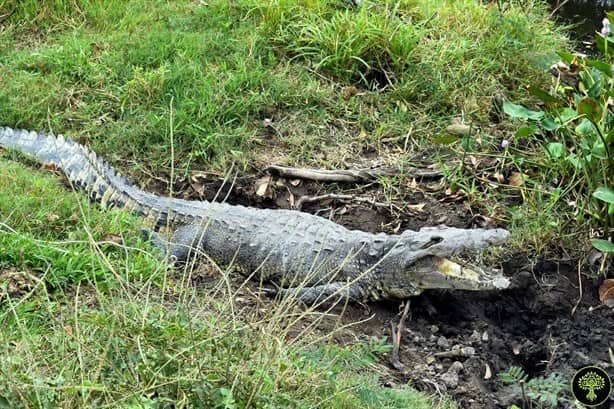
585,15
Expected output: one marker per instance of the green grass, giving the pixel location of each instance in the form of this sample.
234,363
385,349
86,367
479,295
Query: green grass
108,325
113,78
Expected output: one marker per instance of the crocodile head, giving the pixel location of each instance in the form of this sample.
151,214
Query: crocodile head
422,260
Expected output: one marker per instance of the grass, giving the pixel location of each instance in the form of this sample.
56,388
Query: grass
109,77
334,81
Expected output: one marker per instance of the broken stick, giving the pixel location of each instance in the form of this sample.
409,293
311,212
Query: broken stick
349,175
396,340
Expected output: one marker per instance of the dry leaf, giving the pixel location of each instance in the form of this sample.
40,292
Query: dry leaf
197,183
475,162
606,291
419,208
50,166
458,129
113,238
349,92
456,197
52,217
516,179
295,182
487,372
199,188
516,348
499,177
263,187
436,186
594,256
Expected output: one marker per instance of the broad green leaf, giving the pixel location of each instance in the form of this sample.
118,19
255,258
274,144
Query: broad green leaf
591,108
567,57
573,159
535,115
596,89
599,151
445,140
601,66
543,95
555,149
526,131
567,114
603,245
549,125
605,194
518,111
585,127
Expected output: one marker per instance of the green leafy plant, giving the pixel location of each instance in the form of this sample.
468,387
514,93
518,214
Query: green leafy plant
576,129
545,392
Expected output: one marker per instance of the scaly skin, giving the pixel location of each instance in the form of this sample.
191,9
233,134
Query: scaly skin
310,257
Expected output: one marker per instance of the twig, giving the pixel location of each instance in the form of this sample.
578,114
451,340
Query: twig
351,198
396,340
349,175
573,310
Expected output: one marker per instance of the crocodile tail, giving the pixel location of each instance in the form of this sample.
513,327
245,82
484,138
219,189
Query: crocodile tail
82,167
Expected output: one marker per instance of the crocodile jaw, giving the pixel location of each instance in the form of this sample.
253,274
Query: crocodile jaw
466,277
470,278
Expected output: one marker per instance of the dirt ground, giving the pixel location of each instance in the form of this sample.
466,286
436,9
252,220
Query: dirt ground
454,342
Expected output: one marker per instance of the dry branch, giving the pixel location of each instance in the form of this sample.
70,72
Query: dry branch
396,340
349,175
348,198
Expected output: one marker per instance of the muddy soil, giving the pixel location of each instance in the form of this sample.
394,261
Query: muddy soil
454,342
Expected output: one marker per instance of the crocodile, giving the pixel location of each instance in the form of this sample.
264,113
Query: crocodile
305,256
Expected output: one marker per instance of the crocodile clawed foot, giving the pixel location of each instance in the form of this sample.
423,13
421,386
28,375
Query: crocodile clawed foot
271,292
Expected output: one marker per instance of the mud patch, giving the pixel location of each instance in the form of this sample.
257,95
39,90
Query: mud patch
371,209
